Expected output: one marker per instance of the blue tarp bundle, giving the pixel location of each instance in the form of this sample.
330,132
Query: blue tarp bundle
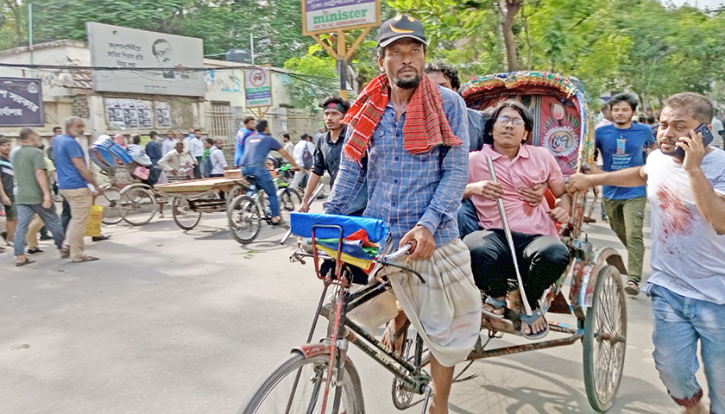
302,224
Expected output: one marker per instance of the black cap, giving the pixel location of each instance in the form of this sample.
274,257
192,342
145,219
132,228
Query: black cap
399,27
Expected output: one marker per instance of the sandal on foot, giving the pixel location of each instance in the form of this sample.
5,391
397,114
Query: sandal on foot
395,336
65,252
86,259
529,320
26,262
496,305
632,288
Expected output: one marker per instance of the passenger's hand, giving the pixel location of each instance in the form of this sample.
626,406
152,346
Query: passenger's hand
559,215
487,189
304,208
6,200
694,151
423,243
47,201
579,183
534,195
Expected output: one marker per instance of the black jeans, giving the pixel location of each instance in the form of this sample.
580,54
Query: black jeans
542,259
65,216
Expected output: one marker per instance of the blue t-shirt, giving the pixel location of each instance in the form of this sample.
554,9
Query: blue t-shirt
66,148
256,148
620,149
242,134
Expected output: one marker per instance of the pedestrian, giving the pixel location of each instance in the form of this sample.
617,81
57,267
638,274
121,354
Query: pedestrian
196,150
169,143
288,145
687,286
176,161
606,112
73,180
303,154
256,149
218,160
7,182
153,148
32,195
328,153
56,131
248,129
415,136
620,145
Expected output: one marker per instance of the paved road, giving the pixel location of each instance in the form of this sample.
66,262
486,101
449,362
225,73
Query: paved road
174,322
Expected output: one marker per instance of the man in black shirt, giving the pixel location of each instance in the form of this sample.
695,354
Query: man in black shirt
328,150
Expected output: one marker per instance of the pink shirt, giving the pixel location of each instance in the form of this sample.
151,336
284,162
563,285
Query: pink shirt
531,166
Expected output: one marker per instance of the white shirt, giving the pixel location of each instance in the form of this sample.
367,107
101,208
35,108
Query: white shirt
299,150
716,128
175,161
167,145
688,257
218,161
196,147
289,147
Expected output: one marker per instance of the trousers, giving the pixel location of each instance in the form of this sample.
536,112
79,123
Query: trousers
626,217
80,202
25,216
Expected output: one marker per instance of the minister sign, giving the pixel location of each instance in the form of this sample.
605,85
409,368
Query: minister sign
325,16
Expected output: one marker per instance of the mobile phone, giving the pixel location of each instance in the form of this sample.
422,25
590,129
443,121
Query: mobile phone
706,140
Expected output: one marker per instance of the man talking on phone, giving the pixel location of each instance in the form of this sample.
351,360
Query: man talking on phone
686,180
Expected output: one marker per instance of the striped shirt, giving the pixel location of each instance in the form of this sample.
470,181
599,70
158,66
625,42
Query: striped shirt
406,190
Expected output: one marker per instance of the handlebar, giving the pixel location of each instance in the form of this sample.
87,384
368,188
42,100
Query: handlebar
397,254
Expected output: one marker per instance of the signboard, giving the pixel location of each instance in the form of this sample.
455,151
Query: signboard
124,48
326,16
258,86
21,102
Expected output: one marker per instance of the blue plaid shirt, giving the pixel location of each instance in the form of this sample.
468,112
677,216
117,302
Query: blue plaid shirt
407,190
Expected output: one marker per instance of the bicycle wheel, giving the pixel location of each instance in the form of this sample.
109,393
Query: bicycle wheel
184,216
290,201
297,385
111,203
139,204
605,340
244,219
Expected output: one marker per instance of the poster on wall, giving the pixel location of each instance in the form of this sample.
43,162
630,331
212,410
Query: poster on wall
122,114
21,102
163,115
164,58
145,120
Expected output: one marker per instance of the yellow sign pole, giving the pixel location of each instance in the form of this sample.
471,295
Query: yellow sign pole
342,63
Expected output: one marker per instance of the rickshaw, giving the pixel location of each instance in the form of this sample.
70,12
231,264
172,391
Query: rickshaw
321,378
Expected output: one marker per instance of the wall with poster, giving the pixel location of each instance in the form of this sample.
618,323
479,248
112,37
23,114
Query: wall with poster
121,47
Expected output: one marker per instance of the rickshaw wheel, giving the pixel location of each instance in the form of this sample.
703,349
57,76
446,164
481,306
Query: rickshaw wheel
402,397
605,339
184,216
112,213
139,204
245,220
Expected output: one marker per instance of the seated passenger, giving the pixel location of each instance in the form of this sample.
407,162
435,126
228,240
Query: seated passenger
542,257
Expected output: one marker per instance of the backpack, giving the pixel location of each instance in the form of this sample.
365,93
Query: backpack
206,166
306,158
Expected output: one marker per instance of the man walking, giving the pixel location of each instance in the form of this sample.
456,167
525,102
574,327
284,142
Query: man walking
303,154
217,158
687,286
415,135
169,143
256,149
620,145
249,126
7,182
153,148
328,153
288,145
33,194
196,150
73,180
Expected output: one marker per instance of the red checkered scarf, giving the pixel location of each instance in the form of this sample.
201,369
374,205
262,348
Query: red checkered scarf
425,123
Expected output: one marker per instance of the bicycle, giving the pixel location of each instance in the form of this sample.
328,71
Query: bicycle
246,212
321,378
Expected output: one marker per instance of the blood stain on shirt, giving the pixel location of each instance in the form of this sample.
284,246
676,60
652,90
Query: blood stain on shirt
676,218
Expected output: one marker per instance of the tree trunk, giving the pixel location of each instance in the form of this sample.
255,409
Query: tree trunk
508,10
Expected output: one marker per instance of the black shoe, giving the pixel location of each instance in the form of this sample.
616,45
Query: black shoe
35,251
46,237
100,238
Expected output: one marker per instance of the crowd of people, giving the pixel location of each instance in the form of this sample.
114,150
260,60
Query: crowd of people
408,151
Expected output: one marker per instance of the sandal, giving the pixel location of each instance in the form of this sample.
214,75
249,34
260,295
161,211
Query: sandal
496,304
26,262
632,288
401,333
529,320
65,252
85,259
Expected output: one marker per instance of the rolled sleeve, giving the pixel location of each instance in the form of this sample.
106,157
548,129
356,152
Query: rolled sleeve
454,168
349,181
318,166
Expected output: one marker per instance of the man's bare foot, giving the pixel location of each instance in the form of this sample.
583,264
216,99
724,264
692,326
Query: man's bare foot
491,309
394,332
698,408
539,325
